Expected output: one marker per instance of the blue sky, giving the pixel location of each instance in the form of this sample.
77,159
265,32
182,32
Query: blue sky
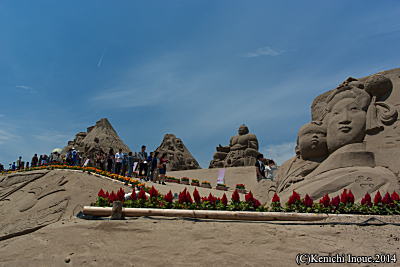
197,69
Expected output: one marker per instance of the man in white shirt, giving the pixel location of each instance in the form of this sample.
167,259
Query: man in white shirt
119,157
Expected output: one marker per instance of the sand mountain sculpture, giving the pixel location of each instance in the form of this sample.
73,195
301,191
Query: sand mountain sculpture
97,139
178,155
242,151
352,142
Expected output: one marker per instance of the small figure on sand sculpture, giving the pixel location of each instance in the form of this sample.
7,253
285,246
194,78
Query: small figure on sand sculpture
242,151
345,146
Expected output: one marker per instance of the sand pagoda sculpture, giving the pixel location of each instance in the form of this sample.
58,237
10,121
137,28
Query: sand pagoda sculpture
242,151
352,142
178,155
97,139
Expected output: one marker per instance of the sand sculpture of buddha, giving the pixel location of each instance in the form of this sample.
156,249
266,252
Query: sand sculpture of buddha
242,150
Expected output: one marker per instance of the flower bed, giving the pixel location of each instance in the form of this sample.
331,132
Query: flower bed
184,201
221,187
389,204
241,188
205,184
195,182
170,179
89,170
185,180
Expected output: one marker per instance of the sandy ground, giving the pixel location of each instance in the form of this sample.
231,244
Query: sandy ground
63,239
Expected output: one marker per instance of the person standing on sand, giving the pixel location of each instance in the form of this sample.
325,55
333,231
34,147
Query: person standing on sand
270,169
260,167
119,157
110,160
142,162
19,163
149,171
162,168
34,161
130,162
154,167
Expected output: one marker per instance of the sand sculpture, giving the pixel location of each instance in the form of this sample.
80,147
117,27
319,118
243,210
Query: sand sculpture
97,139
352,142
178,155
242,151
35,204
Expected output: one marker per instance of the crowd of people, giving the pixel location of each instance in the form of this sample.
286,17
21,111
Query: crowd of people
150,167
265,168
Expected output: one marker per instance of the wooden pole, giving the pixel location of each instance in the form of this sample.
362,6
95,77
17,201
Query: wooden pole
208,214
116,211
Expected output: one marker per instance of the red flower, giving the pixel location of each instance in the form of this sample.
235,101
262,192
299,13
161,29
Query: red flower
153,192
256,203
235,196
249,197
196,196
343,196
335,201
325,200
107,195
133,195
142,194
276,198
101,194
308,202
350,197
387,199
377,198
212,199
169,197
121,194
188,197
182,197
112,197
366,200
395,196
295,197
224,200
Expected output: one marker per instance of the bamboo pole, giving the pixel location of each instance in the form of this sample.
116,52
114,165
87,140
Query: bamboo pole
208,214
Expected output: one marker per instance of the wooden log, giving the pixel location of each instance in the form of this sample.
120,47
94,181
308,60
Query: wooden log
209,214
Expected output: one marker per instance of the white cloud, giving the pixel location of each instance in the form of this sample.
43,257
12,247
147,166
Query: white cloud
264,51
149,85
26,88
279,152
6,136
101,59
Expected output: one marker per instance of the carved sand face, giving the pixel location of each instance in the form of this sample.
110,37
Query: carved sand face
243,130
312,142
346,124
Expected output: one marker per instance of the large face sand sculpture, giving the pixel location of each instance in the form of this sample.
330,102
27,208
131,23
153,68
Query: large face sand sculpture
312,143
346,119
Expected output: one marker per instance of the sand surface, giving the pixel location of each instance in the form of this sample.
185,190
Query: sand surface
38,227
